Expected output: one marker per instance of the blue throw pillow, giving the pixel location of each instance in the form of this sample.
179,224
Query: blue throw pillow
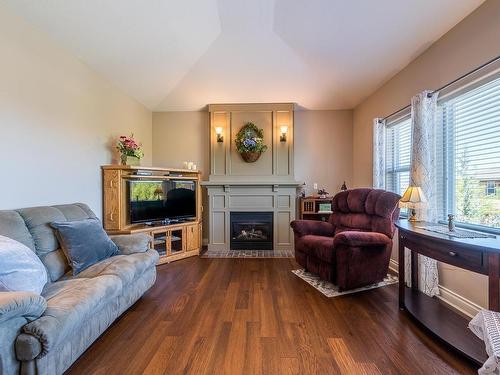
84,242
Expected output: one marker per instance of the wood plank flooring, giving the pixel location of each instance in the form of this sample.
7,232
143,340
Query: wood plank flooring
253,316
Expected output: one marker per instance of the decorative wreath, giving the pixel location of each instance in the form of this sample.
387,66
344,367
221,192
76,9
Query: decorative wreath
250,139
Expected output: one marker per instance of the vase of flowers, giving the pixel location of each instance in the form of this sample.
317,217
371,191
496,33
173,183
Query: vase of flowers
250,142
130,150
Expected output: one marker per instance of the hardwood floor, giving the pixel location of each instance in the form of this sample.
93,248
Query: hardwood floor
253,316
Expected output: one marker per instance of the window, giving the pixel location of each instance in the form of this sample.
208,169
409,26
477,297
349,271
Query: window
469,153
490,188
398,148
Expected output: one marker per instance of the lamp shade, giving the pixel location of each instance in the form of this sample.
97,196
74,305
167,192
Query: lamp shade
412,195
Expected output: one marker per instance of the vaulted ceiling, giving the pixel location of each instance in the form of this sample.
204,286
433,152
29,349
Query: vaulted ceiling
180,55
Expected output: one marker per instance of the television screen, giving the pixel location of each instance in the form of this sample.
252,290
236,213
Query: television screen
160,200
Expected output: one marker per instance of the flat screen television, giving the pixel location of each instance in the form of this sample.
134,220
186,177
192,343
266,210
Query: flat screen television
151,200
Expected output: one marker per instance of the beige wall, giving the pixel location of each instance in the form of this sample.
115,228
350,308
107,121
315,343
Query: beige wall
180,137
323,144
323,139
469,44
323,148
58,120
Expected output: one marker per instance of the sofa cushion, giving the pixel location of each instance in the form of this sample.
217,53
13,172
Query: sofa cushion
12,225
84,242
37,221
76,211
70,304
126,267
20,269
318,246
132,243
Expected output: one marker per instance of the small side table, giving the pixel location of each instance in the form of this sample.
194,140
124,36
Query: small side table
481,255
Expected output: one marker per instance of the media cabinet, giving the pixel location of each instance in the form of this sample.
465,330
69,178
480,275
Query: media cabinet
174,241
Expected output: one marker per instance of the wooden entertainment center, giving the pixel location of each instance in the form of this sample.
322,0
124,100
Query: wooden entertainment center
173,241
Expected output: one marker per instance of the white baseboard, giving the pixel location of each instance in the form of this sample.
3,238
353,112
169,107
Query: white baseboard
460,303
449,297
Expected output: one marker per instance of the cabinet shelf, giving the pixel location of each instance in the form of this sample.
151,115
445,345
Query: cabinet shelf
155,177
316,213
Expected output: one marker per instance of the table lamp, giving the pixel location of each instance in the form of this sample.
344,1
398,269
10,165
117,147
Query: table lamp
412,198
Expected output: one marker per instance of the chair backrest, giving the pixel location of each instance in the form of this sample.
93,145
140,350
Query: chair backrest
371,210
31,226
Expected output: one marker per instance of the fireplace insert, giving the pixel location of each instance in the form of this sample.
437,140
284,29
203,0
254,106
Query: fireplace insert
251,230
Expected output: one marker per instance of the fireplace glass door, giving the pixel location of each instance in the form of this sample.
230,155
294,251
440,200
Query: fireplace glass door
251,231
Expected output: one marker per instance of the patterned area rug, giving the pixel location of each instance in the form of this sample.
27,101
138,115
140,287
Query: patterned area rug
331,290
248,254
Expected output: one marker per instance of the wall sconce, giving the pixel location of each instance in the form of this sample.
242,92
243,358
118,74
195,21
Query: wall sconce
284,130
218,131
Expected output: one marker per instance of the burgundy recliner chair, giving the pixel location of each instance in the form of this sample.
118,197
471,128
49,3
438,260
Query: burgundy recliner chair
353,248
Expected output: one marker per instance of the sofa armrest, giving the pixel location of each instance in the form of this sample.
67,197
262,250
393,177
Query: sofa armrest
132,243
26,304
16,309
308,227
360,239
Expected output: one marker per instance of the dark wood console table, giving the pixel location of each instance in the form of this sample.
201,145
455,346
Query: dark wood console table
481,255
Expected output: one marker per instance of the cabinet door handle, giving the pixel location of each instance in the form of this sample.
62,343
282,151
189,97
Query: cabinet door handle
452,253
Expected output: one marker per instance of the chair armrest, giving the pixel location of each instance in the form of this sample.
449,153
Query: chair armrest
360,239
308,227
132,243
26,304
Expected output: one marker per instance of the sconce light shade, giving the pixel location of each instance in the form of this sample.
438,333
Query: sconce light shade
218,131
284,130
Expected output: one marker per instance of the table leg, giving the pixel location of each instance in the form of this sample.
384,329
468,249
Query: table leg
401,269
493,287
414,270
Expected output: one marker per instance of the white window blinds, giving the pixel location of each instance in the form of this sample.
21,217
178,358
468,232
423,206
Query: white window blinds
469,155
398,147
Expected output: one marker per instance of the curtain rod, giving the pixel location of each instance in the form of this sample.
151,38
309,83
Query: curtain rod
447,85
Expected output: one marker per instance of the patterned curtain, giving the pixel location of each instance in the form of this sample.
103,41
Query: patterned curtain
379,153
423,173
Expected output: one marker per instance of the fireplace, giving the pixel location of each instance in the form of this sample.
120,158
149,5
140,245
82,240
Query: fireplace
251,230
266,187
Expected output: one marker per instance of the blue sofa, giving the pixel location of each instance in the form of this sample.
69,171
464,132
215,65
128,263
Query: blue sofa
45,334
